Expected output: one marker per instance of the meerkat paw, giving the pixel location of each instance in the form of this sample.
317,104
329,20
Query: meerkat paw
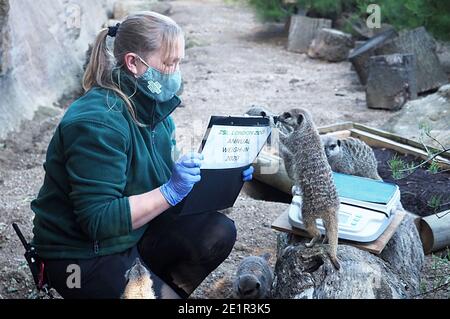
296,190
312,242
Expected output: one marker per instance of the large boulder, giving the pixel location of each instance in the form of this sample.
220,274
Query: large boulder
42,52
307,273
432,111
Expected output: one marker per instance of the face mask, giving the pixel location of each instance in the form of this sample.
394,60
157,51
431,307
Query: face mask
161,86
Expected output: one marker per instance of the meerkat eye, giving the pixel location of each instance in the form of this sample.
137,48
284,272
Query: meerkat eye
287,115
333,146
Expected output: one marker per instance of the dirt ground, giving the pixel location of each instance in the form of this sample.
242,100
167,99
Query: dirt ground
233,62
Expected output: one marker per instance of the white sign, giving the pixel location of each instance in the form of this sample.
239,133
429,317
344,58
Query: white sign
233,146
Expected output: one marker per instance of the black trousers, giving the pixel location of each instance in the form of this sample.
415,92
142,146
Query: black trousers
179,251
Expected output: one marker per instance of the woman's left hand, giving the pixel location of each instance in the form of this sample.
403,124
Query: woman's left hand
247,175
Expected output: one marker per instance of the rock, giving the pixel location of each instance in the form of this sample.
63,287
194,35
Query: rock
330,45
43,54
432,111
303,30
429,72
443,53
307,273
5,41
391,82
123,8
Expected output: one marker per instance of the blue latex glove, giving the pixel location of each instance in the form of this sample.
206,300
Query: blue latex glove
185,174
247,175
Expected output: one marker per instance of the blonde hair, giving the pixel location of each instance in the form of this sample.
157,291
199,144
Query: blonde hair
142,33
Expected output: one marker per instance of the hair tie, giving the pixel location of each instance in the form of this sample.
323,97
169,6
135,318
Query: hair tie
112,31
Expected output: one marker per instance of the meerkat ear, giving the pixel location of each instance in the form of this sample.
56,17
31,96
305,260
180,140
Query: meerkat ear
300,119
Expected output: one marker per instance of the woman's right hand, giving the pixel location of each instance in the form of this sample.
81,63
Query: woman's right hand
185,174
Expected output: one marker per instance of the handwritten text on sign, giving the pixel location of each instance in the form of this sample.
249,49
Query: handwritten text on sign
233,146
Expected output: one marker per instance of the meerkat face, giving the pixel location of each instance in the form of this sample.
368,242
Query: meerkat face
136,271
291,121
248,287
332,145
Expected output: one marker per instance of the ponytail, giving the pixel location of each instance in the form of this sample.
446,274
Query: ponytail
99,72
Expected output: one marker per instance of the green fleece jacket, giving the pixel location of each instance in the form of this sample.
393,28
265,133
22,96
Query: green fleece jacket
98,158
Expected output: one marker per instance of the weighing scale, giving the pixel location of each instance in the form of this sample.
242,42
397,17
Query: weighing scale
355,223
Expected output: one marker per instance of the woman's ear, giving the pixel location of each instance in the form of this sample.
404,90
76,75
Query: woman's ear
131,63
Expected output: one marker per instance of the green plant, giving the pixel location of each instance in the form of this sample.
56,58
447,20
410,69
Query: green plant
434,167
435,202
399,167
406,14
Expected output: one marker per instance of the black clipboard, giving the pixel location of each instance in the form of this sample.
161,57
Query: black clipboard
218,188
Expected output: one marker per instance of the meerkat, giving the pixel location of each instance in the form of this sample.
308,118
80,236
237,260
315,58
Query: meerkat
139,283
350,156
254,278
305,159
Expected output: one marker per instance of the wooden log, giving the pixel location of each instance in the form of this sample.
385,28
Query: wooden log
391,81
435,231
303,30
360,56
429,71
330,45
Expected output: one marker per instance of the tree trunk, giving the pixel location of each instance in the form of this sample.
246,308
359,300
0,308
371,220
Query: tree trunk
429,72
391,81
303,30
360,56
307,273
330,45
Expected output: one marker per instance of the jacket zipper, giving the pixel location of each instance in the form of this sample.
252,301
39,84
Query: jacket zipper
96,248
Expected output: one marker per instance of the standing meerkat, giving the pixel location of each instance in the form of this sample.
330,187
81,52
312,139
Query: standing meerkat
350,156
305,159
139,283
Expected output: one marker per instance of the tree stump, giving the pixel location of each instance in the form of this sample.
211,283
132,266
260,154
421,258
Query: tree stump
429,71
307,273
303,30
360,56
391,81
330,45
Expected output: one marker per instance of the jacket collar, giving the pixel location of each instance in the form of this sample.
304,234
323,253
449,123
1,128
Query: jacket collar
148,111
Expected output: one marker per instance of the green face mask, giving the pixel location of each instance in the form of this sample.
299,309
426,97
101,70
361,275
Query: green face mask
161,86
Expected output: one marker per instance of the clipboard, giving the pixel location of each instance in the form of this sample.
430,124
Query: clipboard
219,188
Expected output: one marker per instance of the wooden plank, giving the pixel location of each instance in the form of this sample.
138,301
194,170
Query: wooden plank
376,247
396,138
379,141
335,127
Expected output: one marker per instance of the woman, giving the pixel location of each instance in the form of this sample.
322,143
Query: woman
111,184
